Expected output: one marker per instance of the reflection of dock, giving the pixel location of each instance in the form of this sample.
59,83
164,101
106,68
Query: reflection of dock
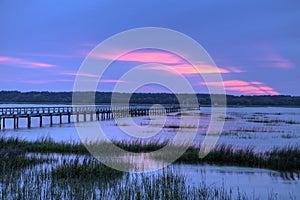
93,112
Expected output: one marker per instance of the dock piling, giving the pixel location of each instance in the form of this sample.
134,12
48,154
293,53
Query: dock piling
28,121
51,119
69,117
41,120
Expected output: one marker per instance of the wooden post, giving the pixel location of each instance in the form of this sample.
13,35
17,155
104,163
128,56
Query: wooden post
0,122
28,121
91,116
51,119
69,117
97,116
60,118
77,117
84,116
41,120
16,122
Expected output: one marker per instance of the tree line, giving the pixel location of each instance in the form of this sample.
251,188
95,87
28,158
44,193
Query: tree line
12,97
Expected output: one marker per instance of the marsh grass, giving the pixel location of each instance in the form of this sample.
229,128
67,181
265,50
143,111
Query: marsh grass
12,158
263,129
290,135
272,121
43,145
140,145
165,184
87,168
283,159
83,177
180,126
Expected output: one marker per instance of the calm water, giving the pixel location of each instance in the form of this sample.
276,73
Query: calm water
261,128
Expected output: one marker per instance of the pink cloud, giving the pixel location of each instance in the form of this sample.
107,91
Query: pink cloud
227,83
271,57
110,81
70,73
4,59
186,69
90,77
256,83
36,64
144,56
244,87
49,55
105,80
278,61
266,88
45,81
18,62
235,69
176,63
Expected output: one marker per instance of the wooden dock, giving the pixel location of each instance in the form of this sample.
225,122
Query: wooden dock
92,112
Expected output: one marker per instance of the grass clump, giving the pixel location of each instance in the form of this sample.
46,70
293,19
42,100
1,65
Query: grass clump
86,168
280,159
12,158
43,145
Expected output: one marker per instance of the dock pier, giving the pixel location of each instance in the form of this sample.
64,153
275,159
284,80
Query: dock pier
99,112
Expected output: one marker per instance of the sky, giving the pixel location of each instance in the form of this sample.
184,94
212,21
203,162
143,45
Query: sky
254,44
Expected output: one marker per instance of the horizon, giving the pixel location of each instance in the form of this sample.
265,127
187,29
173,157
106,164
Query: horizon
268,95
254,45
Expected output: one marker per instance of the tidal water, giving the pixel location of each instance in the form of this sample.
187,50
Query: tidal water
256,127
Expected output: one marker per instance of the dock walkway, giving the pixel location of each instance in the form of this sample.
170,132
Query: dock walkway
94,113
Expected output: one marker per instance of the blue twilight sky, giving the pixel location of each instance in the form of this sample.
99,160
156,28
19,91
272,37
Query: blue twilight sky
255,44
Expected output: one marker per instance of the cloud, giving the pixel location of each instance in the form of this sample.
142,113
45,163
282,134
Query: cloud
243,87
19,62
176,63
271,57
35,81
49,55
235,69
186,69
90,77
110,81
143,56
277,61
72,73
256,83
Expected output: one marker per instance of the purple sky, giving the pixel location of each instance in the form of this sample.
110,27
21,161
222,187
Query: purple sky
255,44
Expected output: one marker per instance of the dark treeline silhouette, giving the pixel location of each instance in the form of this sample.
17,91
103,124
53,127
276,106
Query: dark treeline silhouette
143,98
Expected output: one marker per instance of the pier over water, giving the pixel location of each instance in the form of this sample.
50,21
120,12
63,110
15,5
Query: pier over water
90,113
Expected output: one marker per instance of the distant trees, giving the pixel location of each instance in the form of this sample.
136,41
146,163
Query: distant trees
142,98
